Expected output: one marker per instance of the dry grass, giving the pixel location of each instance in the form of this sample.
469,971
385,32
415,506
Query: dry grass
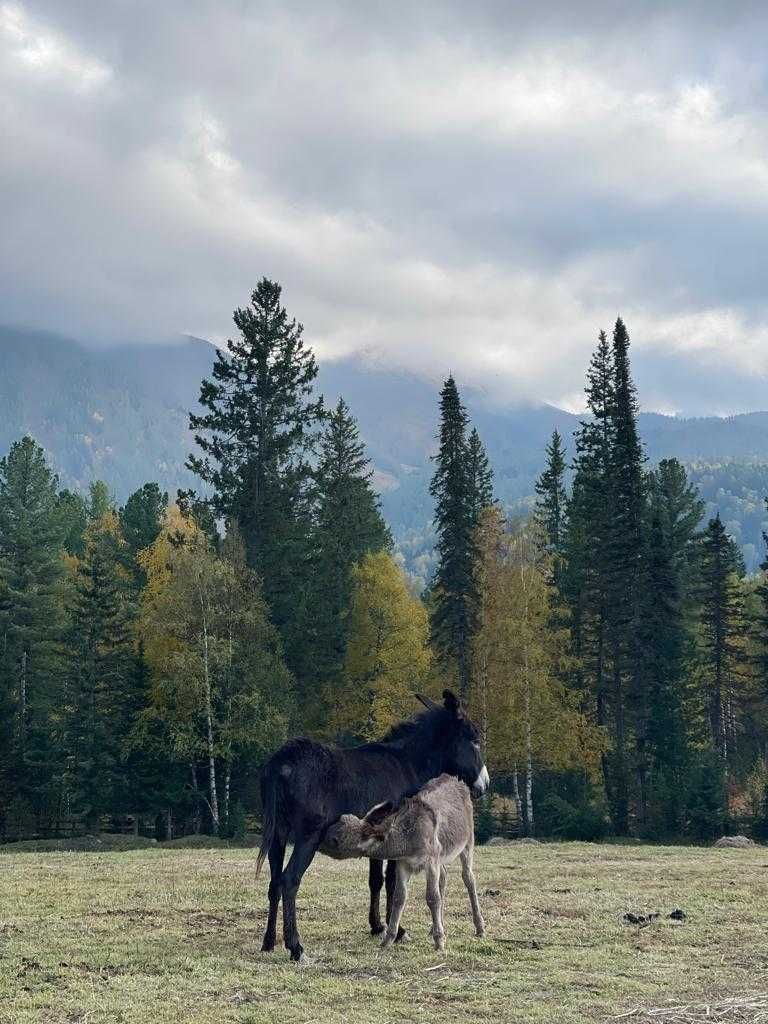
159,936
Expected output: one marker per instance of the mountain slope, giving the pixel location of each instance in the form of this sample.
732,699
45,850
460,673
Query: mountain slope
121,414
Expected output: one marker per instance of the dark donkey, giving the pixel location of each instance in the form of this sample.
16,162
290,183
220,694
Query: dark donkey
306,786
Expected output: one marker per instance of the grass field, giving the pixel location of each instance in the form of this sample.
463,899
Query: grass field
158,936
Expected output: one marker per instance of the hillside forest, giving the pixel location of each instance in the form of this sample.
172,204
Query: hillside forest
608,639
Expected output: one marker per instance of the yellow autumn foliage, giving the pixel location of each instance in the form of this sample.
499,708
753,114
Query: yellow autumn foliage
387,654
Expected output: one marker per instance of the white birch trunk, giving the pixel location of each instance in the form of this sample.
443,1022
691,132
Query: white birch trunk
214,800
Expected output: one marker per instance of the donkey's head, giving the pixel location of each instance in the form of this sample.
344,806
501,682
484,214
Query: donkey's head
351,836
459,743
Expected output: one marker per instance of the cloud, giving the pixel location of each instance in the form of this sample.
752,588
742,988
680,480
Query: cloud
476,190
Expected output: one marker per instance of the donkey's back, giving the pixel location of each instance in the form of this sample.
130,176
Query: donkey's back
449,800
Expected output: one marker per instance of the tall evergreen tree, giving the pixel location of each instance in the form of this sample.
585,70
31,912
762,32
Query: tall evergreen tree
454,596
587,576
551,509
73,518
101,696
100,500
256,440
761,623
31,617
662,747
480,475
141,518
348,526
625,541
722,627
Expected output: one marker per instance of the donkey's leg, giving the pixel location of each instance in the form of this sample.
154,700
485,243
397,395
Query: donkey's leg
399,897
402,934
443,883
469,880
435,903
375,882
276,855
303,852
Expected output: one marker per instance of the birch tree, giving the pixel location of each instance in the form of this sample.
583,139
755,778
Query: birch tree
219,684
528,718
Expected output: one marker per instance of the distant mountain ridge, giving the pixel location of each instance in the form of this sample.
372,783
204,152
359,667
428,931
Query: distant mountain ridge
121,414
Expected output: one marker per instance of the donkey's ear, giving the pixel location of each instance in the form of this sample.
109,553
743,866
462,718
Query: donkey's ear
450,703
428,703
378,813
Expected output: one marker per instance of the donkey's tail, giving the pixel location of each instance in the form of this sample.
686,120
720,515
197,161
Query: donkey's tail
269,782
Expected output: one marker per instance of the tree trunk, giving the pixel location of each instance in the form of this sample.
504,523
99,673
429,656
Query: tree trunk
196,792
529,823
23,703
214,800
227,780
516,794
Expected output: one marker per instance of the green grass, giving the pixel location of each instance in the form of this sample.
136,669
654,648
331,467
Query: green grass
170,935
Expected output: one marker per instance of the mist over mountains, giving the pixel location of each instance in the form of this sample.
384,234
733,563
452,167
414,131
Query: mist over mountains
120,414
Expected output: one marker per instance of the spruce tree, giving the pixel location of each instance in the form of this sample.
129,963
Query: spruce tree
348,526
551,509
103,699
480,475
141,518
454,590
73,517
722,626
761,624
626,501
256,440
31,616
660,724
588,574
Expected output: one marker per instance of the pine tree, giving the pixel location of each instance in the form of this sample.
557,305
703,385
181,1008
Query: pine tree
348,526
31,616
722,629
454,596
100,500
256,439
760,629
662,749
101,697
587,575
141,518
551,509
480,475
73,517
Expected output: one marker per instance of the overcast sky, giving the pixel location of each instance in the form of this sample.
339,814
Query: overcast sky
476,187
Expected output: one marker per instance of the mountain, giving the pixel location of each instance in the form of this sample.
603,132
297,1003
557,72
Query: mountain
120,414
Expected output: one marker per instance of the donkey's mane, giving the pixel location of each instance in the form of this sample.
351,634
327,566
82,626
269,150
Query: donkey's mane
423,724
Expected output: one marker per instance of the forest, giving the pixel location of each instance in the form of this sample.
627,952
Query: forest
609,642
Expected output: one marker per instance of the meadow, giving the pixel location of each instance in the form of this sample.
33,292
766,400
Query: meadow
165,935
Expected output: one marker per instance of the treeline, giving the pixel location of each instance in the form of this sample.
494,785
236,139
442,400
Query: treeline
152,655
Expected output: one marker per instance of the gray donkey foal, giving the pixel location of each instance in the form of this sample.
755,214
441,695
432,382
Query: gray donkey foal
427,832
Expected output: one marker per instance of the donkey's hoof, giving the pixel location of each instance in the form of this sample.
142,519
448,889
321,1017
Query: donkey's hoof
387,942
377,929
267,946
402,936
480,933
297,954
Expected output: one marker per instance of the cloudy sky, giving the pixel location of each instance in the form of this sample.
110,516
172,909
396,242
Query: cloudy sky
477,187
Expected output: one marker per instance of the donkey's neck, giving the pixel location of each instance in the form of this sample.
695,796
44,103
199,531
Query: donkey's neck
425,761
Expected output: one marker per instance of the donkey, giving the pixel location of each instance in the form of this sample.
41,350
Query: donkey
307,786
428,831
